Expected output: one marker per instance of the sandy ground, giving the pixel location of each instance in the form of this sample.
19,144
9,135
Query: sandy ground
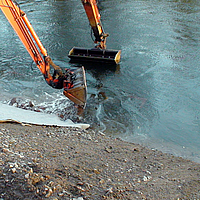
38,162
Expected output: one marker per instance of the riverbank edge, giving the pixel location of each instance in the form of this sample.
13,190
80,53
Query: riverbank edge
43,162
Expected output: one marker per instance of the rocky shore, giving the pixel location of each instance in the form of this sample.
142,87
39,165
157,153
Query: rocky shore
39,162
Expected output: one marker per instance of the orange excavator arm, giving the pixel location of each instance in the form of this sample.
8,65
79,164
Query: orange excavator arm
94,18
26,33
98,54
74,88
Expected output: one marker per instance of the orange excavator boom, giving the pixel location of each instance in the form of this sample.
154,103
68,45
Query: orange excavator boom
99,53
23,28
74,88
94,18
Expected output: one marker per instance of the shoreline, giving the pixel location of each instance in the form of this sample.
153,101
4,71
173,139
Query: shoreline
22,112
39,162
186,152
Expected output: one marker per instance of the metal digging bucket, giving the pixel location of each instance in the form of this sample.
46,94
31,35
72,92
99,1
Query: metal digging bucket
94,55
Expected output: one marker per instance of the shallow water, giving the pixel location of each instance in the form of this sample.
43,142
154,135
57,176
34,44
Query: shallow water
153,95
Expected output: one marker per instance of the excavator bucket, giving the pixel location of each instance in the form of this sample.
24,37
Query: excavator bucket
78,92
77,54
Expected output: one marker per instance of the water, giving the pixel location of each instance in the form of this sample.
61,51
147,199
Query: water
153,95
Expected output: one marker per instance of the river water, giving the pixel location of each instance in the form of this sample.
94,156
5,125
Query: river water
153,94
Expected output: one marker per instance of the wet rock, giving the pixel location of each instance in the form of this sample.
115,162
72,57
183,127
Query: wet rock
89,137
5,150
145,179
49,191
108,149
79,198
96,171
102,181
13,101
14,170
101,133
109,191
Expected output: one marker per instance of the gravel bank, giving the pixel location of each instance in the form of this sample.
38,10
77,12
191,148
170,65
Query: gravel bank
38,162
